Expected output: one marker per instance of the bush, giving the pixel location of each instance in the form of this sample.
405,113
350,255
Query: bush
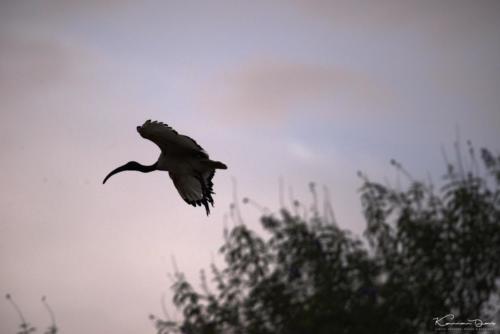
425,254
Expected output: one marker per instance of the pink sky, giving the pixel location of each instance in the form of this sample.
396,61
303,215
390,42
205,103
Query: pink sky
303,90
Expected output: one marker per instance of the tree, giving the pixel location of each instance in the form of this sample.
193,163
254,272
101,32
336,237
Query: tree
425,254
24,326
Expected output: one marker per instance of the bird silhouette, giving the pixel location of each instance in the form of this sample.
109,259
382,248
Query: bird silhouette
186,162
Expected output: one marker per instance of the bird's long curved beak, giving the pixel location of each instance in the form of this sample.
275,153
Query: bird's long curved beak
115,171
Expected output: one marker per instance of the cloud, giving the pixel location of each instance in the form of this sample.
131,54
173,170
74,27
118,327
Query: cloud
28,64
301,152
440,56
273,90
58,8
427,14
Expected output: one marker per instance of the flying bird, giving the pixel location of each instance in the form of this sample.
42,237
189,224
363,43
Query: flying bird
186,162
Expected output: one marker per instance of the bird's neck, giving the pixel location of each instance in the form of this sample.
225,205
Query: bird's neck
146,168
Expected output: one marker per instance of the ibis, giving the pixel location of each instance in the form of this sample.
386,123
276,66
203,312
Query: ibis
186,162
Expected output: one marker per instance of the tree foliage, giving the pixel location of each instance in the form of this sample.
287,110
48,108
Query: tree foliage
24,326
425,253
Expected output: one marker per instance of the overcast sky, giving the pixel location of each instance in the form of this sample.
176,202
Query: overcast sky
304,90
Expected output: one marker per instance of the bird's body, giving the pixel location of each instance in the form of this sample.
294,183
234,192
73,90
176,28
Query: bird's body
187,163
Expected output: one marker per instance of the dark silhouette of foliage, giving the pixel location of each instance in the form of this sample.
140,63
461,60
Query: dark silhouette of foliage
24,326
52,329
427,253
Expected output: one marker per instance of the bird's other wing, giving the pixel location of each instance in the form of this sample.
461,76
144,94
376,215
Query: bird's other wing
169,140
195,190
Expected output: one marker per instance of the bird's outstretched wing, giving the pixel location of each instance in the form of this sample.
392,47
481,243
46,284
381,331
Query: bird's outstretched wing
194,190
170,141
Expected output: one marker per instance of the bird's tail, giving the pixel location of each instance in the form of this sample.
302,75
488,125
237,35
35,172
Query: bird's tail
215,164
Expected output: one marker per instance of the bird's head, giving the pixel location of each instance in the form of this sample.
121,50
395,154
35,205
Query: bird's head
131,165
